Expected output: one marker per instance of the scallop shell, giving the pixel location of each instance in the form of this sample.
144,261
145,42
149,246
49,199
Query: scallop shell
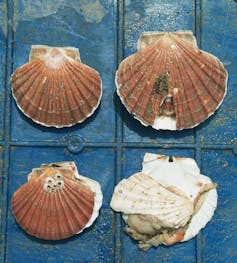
141,194
169,201
169,83
184,174
55,88
56,202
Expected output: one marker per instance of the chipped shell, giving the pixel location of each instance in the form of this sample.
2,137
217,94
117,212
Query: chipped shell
169,201
170,83
55,88
56,202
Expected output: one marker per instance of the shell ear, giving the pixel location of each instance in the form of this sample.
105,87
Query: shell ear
72,53
37,52
147,38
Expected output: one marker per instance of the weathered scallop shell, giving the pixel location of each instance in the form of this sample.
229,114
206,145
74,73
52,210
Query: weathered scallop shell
185,176
141,194
168,202
54,88
170,83
54,204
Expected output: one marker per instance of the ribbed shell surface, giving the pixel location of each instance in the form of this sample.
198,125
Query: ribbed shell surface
141,194
194,80
52,216
56,90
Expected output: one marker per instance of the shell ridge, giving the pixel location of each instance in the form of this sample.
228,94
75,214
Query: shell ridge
216,70
42,114
125,64
23,207
74,94
63,224
19,203
21,91
69,228
210,76
87,81
24,69
50,224
49,101
48,215
85,95
30,104
180,123
149,92
57,232
81,189
37,226
211,96
157,100
180,108
68,114
138,73
204,57
94,76
81,99
86,214
40,226
27,223
18,79
33,95
69,218
59,102
213,69
75,110
46,101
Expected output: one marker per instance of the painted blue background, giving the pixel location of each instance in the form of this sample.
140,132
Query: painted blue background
110,145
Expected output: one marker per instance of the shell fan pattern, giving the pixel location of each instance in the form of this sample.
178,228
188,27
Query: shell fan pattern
55,89
56,202
168,202
170,83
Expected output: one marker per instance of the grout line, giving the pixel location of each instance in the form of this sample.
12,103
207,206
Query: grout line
121,144
7,124
198,152
119,125
3,145
198,21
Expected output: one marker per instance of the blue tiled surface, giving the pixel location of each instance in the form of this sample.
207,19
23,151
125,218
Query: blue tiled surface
110,145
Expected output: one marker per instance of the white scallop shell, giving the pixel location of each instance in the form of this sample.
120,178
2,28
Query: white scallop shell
169,201
141,194
184,174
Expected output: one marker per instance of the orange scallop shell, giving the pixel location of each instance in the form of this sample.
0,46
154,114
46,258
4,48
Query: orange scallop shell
54,88
56,212
170,83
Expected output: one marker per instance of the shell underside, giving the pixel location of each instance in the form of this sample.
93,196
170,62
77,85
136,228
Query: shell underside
171,84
